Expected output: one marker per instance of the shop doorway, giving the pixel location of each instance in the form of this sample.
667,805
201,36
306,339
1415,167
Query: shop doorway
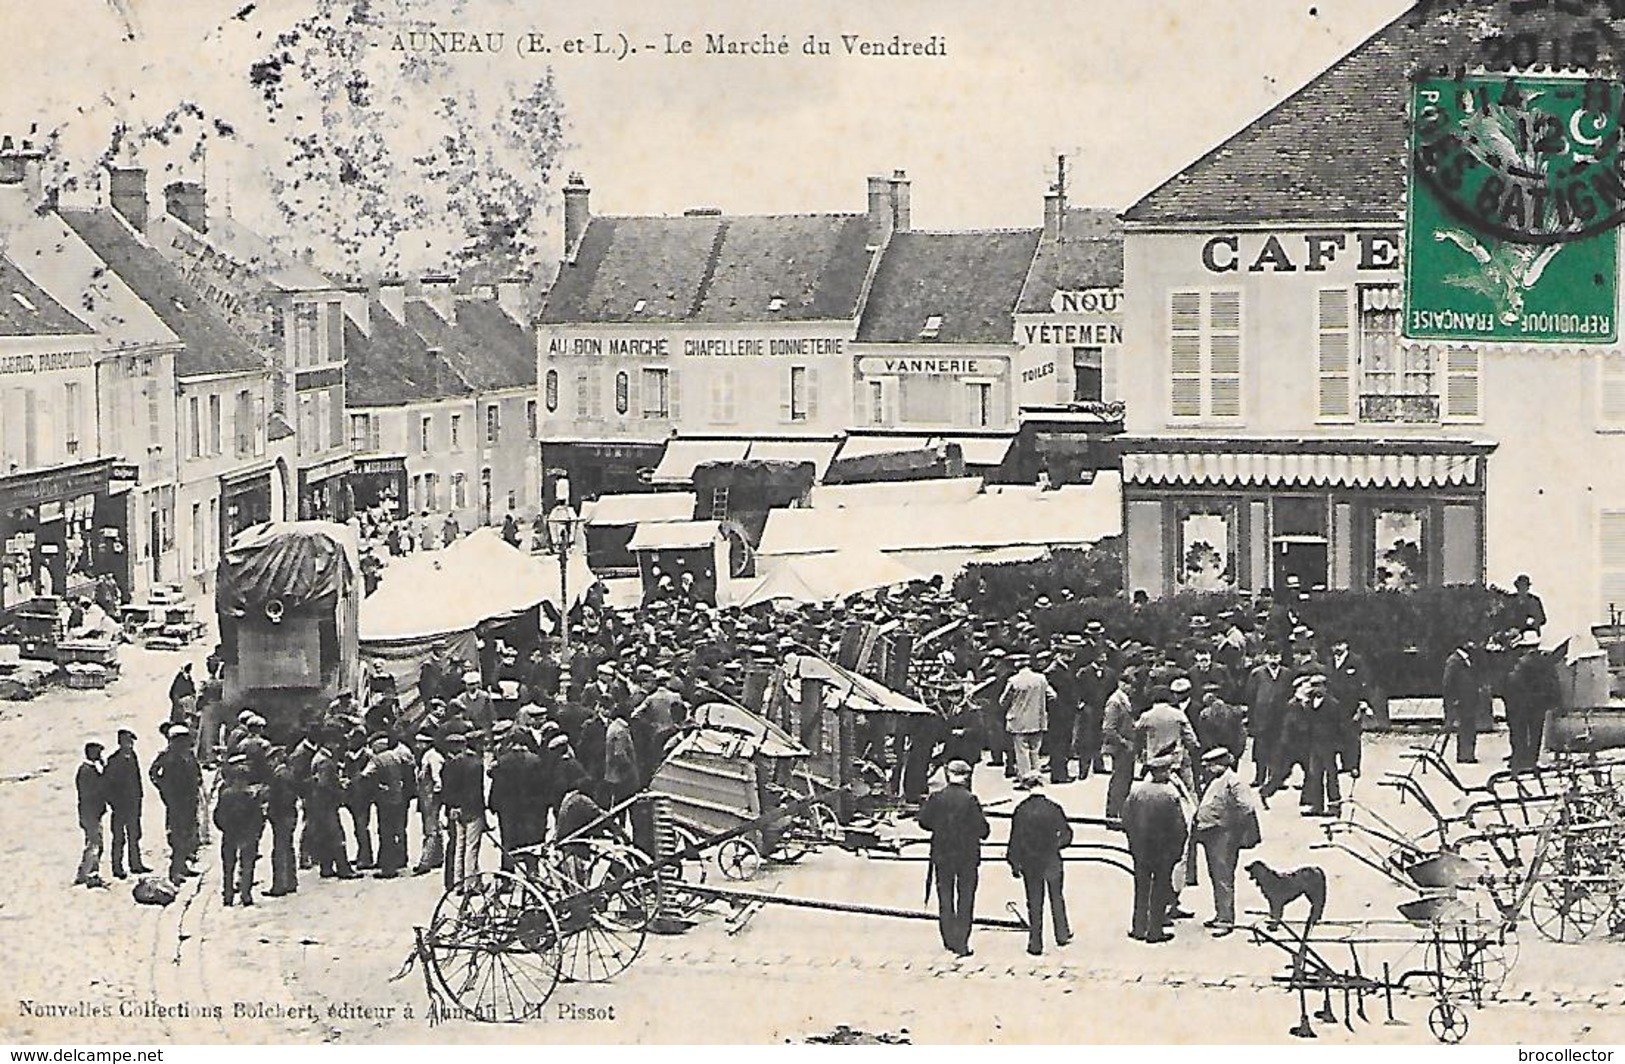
155,543
1303,557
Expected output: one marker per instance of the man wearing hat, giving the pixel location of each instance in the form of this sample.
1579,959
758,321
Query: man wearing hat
516,807
994,674
463,792
1096,682
473,704
1531,688
1267,691
391,776
1119,728
1154,821
957,826
282,811
178,778
1523,610
1026,699
239,813
431,764
1039,832
1224,819
325,796
91,792
122,777
1062,716
1326,728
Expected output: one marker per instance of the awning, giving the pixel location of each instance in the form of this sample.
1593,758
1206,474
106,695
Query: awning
56,484
868,446
674,535
897,492
981,450
681,456
1394,469
635,509
333,467
819,452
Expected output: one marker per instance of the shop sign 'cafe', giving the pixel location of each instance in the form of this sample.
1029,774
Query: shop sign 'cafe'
1309,252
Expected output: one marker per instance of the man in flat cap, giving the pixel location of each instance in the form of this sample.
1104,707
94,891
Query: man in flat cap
239,814
1154,821
178,779
957,826
1224,819
91,794
125,788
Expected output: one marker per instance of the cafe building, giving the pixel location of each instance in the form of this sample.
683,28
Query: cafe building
1280,420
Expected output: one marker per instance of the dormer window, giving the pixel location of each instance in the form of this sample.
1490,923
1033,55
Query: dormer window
933,325
24,302
637,308
776,303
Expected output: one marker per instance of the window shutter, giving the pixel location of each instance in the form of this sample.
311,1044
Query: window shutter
1462,365
1612,370
1335,364
1611,558
1224,354
674,393
1108,375
812,393
634,393
1185,352
335,331
581,394
785,378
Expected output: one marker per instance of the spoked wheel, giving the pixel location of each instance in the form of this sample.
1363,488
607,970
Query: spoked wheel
739,859
1448,1022
1475,964
494,947
603,916
1566,910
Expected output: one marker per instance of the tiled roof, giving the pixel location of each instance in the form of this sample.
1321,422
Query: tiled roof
714,268
1089,254
25,309
1335,150
393,364
245,248
211,345
493,351
971,281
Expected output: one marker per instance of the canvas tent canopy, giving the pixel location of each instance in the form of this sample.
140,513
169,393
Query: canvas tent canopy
827,577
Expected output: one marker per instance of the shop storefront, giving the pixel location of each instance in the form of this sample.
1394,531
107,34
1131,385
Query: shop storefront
968,389
245,501
324,491
60,529
595,469
380,481
1206,515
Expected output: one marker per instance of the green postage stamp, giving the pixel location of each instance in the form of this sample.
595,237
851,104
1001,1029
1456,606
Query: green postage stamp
1516,188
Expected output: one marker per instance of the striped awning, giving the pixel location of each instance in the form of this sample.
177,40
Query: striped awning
1393,469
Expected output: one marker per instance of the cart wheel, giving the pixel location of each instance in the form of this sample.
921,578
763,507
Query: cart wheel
1475,963
1564,910
494,947
615,908
739,859
1448,1022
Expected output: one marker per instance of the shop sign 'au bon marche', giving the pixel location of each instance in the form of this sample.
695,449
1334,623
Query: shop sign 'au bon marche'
1516,188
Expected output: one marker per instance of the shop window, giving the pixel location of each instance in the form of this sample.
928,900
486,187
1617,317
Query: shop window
550,391
456,432
656,393
425,433
1399,550
623,393
1300,548
1206,559
1088,375
722,395
800,400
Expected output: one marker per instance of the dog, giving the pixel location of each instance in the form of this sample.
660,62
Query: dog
1281,889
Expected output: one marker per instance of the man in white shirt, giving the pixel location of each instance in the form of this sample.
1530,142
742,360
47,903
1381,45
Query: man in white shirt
1026,701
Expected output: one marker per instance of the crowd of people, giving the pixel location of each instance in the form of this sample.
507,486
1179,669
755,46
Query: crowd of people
543,743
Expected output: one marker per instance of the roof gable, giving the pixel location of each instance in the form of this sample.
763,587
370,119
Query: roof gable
392,364
1279,168
1088,254
211,346
27,310
965,284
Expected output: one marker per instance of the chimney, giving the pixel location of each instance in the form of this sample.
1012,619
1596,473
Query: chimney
22,166
127,192
392,297
1053,210
187,201
358,307
899,201
576,213
880,211
439,293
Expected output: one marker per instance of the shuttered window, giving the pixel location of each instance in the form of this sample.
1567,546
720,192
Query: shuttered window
1462,367
1611,390
722,396
1611,561
1204,343
1334,355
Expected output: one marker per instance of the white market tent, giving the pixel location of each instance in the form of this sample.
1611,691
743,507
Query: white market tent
827,577
619,510
942,537
896,493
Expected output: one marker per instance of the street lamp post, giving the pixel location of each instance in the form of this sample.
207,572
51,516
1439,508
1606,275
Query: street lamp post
561,525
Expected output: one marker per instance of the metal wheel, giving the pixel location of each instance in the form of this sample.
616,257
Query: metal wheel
1448,1022
1472,962
739,859
603,913
494,947
1564,910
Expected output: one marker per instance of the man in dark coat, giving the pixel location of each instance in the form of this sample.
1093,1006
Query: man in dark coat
1039,831
282,810
325,796
391,776
1328,725
1221,725
124,793
512,800
239,813
1348,683
1062,723
1524,610
957,825
1267,691
91,794
1531,690
178,779
1155,824
1464,696
462,788
182,693
1096,682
